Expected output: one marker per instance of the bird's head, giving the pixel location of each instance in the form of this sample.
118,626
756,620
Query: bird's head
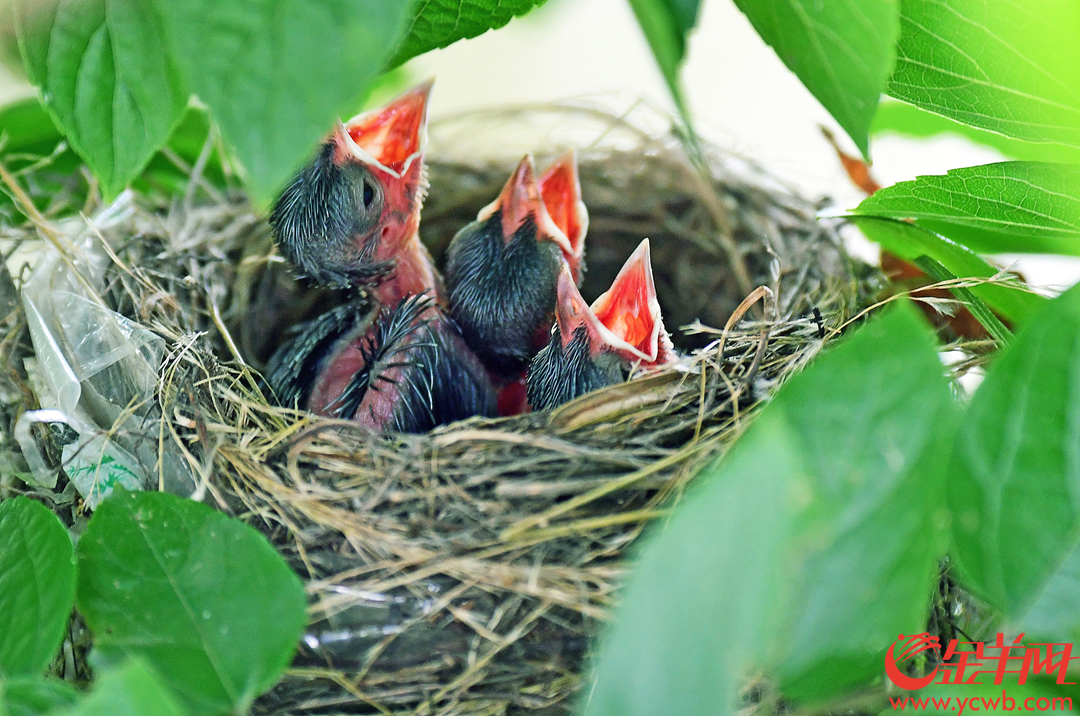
523,200
624,320
347,215
596,346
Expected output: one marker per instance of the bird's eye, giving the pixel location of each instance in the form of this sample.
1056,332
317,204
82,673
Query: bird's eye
369,195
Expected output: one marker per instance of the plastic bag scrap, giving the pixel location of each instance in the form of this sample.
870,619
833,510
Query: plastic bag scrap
96,372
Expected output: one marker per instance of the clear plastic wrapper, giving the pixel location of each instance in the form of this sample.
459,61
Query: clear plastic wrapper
96,372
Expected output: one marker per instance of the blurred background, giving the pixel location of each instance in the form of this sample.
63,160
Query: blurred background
742,97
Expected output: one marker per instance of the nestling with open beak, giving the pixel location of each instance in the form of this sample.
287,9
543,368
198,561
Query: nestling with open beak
596,346
350,217
502,269
390,360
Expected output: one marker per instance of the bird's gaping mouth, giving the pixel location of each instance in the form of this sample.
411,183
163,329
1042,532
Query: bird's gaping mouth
625,318
629,308
393,136
561,189
521,198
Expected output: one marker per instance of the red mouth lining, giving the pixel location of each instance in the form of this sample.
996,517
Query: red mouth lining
394,133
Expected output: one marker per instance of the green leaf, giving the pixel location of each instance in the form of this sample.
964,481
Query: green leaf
909,242
843,51
806,549
1014,483
276,74
1056,614
33,696
186,142
666,24
105,78
203,598
27,127
439,23
993,208
974,304
1006,66
908,120
37,586
30,135
131,690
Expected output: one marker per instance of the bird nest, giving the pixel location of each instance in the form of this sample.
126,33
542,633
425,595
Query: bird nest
465,571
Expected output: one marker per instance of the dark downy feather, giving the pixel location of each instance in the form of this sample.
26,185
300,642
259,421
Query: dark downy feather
392,343
558,373
462,387
293,368
322,213
439,380
502,293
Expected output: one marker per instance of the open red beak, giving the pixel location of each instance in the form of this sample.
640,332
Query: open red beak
573,312
392,137
521,198
561,190
626,318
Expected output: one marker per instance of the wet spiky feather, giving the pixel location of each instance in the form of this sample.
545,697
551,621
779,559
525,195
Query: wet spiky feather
559,373
319,215
502,293
293,369
415,352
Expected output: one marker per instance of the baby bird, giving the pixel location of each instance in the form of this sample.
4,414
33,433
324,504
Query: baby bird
350,217
502,269
390,359
594,347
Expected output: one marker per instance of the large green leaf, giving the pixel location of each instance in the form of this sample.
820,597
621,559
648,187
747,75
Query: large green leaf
992,208
27,127
37,586
909,242
106,78
1014,482
806,549
203,598
1003,65
1056,614
843,51
907,120
438,23
666,23
131,690
186,142
276,74
30,134
33,696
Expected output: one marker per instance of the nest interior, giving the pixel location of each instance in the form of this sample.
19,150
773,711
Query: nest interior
467,571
